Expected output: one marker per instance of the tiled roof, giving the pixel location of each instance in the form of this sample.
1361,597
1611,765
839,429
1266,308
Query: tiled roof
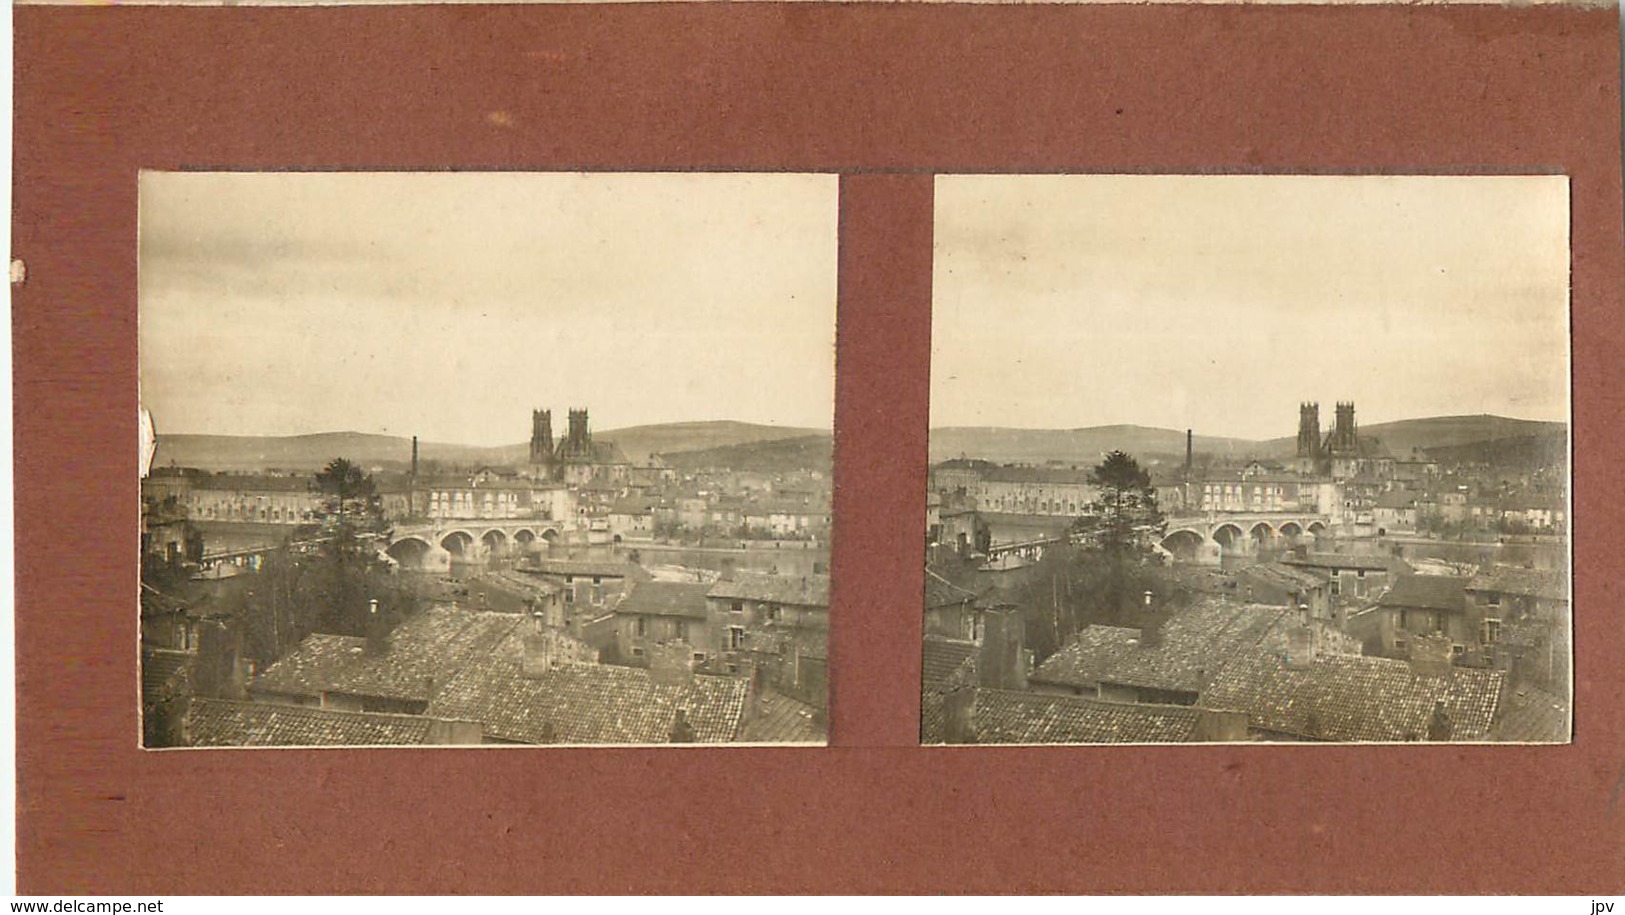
423,652
1551,585
225,723
1427,592
1074,475
947,663
1285,576
160,672
796,590
782,719
942,659
1531,715
600,567
1011,716
1354,698
1397,498
1344,561
665,598
245,482
940,592
1195,643
632,507
587,703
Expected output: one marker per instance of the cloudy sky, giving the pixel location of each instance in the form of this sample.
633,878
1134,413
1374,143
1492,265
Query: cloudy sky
449,305
1219,302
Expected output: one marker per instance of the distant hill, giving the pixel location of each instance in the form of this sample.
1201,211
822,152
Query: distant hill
1430,434
306,452
1519,453
1036,446
638,442
394,452
1435,436
806,452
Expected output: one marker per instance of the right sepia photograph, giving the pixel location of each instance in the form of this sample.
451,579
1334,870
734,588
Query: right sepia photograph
1249,458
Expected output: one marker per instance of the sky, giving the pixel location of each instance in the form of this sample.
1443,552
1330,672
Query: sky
1218,303
448,305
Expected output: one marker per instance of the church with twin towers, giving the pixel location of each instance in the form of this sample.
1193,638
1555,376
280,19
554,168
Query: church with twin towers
575,458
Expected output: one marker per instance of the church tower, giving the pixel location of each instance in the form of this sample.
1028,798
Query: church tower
1344,439
541,436
1309,430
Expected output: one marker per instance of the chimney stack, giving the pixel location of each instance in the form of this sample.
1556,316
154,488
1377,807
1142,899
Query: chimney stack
1151,620
1440,726
671,664
377,630
1002,659
681,730
1300,647
1220,726
1190,452
959,715
1432,656
414,459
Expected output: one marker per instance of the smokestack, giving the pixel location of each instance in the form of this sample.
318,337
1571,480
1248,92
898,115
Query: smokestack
1190,451
414,458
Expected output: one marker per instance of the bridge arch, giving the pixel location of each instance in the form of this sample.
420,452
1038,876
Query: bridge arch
1316,527
411,552
523,537
1261,532
459,543
1229,536
1185,544
1291,529
495,541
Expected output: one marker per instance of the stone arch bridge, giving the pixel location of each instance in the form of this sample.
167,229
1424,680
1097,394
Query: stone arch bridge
436,544
1204,538
1208,537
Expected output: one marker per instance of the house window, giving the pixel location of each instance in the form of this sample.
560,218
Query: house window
736,638
1491,631
1404,619
597,593
1399,644
699,657
640,626
679,629
738,607
637,652
772,612
1456,651
1494,599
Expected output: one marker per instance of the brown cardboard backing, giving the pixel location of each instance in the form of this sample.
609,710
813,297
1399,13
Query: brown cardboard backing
886,96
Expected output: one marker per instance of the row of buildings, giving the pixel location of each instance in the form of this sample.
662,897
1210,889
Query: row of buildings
1269,653
604,653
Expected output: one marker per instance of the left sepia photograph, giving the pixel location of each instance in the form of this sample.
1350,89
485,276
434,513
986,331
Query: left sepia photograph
462,458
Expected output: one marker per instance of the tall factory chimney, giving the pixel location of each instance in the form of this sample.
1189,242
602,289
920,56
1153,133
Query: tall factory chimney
1190,452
